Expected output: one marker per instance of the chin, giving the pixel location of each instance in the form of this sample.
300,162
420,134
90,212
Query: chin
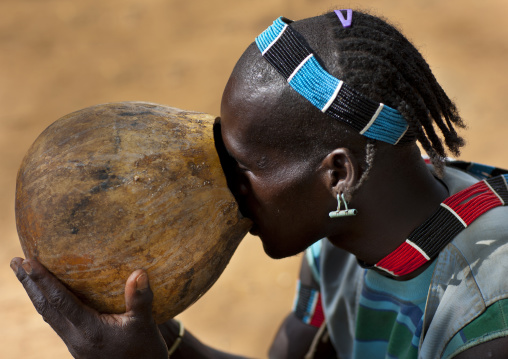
273,254
278,253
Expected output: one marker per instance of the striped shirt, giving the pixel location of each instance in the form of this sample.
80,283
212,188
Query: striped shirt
390,316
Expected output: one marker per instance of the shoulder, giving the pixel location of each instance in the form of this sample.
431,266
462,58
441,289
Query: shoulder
468,282
481,208
489,326
340,279
495,348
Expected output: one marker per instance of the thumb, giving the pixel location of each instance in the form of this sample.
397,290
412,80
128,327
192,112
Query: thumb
138,295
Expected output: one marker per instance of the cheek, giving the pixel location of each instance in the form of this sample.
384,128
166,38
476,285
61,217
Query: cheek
289,208
270,196
289,215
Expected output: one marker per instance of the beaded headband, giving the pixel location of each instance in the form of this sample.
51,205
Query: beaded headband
295,61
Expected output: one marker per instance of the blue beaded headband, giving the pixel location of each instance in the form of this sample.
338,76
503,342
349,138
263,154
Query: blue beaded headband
295,61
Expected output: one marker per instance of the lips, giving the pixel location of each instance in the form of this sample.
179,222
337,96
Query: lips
242,212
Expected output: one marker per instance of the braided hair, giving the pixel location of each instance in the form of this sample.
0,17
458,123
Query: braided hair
375,59
380,62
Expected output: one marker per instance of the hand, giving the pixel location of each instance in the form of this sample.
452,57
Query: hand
86,332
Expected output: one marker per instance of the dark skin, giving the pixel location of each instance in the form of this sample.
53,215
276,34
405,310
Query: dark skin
87,333
289,200
291,197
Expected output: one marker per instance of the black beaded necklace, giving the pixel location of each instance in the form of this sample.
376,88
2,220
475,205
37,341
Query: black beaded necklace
453,215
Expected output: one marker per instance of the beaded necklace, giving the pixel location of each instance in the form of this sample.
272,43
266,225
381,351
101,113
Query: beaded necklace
454,214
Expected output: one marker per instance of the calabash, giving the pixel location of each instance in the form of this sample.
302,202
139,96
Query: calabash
116,187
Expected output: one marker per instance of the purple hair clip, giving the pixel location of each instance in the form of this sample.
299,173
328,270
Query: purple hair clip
347,21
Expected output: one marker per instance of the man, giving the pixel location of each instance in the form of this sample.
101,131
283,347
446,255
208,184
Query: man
320,120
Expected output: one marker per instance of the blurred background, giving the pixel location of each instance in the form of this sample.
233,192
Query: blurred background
58,56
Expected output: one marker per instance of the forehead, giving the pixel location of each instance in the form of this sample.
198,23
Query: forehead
261,113
245,118
239,133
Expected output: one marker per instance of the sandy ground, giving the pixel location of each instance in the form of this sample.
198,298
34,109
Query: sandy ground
57,56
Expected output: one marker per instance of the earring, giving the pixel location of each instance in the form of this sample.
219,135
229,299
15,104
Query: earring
346,212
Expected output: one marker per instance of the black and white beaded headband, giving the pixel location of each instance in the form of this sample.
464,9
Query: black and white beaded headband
280,46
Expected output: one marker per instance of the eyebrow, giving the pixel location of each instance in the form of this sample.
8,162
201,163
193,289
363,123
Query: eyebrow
227,159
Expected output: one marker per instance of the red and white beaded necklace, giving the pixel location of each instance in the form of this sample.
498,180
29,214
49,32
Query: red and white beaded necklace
454,214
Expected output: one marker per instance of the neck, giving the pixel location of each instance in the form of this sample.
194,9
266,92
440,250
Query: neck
399,195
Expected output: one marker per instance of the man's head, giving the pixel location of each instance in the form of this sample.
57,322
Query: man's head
278,132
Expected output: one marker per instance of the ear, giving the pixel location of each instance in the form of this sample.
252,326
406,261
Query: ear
341,168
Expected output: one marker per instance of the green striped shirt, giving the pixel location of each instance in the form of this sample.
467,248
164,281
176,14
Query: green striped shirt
390,319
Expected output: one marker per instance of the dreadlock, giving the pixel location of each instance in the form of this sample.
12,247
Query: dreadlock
377,60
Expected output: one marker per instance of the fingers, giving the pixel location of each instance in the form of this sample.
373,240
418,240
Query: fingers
55,303
39,301
138,295
34,293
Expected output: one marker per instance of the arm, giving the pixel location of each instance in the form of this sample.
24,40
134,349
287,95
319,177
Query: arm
190,347
89,334
294,337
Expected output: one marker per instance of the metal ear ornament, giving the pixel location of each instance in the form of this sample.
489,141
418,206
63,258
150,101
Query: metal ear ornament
346,212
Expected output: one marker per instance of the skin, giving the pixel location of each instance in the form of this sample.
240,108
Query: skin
289,198
87,333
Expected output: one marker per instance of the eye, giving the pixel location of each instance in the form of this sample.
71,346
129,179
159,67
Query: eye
241,167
